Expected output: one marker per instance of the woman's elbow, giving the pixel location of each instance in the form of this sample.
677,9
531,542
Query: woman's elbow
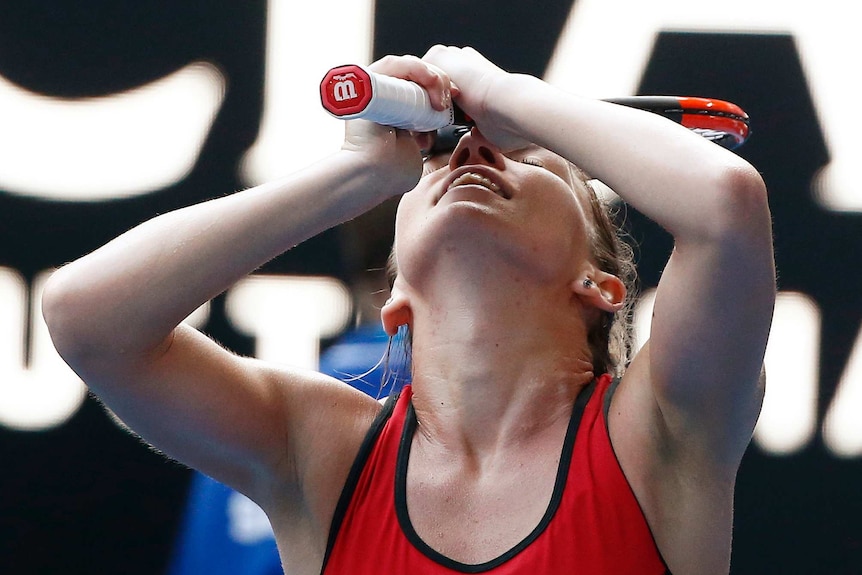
741,207
63,312
744,181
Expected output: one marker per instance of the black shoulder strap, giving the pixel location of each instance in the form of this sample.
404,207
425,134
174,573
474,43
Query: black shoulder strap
356,471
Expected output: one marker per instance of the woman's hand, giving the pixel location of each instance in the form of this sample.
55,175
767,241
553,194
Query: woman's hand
477,81
396,155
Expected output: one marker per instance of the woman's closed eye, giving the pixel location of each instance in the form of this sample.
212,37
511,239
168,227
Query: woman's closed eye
533,161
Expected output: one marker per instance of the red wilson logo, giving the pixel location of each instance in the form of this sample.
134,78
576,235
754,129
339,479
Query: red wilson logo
344,88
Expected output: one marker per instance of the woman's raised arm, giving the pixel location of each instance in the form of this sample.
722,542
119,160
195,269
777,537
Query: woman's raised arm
115,315
714,302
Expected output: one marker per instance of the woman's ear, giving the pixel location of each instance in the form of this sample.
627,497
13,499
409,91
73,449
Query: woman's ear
602,290
395,312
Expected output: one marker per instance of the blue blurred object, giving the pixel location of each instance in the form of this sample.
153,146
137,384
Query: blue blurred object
359,358
223,532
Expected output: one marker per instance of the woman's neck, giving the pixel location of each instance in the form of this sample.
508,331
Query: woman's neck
496,361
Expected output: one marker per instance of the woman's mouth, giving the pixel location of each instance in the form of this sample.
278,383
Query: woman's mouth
474,179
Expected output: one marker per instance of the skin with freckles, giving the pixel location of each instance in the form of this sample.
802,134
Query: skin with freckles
504,287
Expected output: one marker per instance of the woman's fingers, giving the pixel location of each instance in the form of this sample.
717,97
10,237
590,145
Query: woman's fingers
434,80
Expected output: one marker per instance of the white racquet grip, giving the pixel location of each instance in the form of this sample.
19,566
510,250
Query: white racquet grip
351,92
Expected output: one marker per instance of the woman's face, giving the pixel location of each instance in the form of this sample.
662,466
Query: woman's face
522,208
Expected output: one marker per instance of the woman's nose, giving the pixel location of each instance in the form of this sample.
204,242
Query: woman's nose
473,148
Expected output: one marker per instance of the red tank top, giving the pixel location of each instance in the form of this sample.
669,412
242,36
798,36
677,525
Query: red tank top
593,524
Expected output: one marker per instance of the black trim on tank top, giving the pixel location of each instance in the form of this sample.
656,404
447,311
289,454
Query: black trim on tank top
356,469
562,476
606,410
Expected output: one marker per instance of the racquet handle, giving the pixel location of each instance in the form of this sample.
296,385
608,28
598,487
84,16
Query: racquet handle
351,92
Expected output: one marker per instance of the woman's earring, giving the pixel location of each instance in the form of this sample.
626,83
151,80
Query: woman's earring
588,283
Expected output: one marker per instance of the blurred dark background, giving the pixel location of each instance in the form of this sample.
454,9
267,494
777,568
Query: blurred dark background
84,496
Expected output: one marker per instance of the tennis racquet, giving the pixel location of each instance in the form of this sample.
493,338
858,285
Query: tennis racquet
350,92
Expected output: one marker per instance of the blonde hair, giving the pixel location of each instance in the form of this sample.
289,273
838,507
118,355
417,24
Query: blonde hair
610,338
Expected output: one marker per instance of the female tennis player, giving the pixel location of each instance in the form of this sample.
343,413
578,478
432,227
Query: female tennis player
527,443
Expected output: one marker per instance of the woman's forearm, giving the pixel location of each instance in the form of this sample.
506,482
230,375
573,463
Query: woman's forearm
670,174
127,296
